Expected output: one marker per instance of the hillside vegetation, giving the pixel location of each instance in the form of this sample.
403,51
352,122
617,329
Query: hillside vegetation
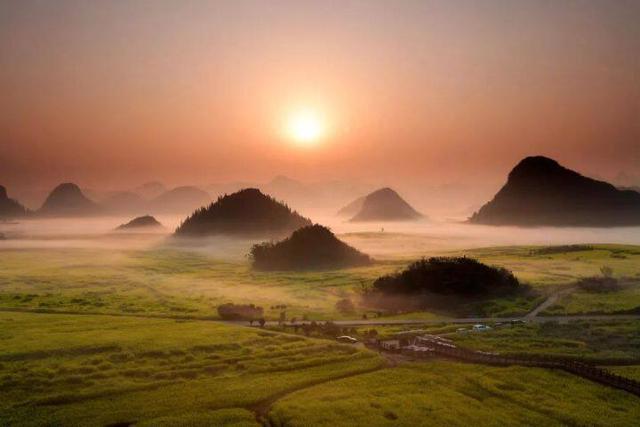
310,248
247,213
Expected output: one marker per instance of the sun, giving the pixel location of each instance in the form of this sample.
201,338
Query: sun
306,127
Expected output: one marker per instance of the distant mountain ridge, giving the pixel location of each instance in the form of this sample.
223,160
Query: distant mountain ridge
247,213
385,205
539,191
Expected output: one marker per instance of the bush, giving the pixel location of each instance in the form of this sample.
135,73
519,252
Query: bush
232,311
448,276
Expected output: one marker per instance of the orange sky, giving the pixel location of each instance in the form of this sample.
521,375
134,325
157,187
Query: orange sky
116,93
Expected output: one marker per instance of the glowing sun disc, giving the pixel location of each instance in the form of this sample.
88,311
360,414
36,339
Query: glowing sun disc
305,127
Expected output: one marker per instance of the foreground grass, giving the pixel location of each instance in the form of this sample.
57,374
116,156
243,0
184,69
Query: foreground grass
99,370
454,394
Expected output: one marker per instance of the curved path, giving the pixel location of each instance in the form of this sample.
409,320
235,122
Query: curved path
551,300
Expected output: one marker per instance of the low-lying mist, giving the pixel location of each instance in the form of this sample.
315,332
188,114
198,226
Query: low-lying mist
380,240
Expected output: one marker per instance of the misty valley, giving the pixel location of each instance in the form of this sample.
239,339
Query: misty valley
248,312
285,213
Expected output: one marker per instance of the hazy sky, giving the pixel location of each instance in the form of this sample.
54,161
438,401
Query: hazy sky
116,92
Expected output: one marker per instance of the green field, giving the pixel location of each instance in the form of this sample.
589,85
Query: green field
579,302
178,282
598,340
99,370
132,343
453,394
601,341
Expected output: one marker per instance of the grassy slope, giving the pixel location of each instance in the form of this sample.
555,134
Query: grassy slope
550,272
175,282
96,370
169,282
452,394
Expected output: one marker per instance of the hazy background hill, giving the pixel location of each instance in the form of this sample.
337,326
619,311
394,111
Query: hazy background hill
385,205
67,200
179,200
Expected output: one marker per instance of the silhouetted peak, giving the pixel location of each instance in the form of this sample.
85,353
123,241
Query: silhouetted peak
10,208
246,212
67,189
540,191
68,199
248,192
385,205
536,166
385,192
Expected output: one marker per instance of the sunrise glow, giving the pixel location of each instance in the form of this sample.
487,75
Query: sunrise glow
306,127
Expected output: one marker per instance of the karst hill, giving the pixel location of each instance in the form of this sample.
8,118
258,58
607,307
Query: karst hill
10,208
67,200
540,191
309,248
246,213
385,205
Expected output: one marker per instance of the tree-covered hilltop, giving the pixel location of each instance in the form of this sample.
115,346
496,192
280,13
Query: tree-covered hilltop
247,213
310,248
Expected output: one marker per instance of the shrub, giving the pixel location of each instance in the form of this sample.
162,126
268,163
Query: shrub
232,311
448,276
